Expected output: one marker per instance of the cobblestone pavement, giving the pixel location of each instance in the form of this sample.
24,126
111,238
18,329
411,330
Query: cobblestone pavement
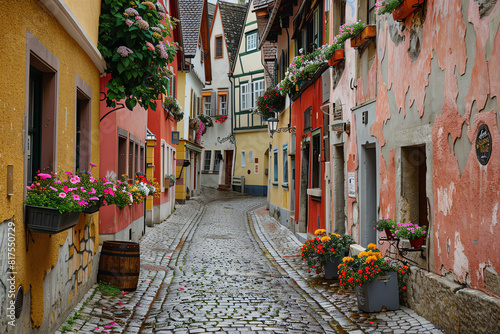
221,264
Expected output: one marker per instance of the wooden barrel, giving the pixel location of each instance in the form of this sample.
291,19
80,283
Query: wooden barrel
119,264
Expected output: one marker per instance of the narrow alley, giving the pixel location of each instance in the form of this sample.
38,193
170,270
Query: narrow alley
221,264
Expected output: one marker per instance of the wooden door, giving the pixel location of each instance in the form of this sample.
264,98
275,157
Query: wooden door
229,167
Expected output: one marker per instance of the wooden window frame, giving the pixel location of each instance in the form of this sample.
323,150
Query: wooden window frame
221,47
219,95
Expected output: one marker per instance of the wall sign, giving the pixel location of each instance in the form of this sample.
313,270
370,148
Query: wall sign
351,185
175,137
483,144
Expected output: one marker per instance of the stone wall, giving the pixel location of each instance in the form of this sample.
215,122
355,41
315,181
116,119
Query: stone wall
451,306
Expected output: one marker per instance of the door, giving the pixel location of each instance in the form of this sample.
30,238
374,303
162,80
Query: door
229,167
368,194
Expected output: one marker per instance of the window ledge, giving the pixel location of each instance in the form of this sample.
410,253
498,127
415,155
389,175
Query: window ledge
285,185
275,184
315,192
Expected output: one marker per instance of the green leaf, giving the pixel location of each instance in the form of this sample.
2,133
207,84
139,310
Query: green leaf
120,68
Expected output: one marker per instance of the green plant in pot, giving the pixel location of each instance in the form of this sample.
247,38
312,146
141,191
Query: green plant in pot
326,251
387,225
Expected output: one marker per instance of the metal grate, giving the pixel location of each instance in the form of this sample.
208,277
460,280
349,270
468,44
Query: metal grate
18,302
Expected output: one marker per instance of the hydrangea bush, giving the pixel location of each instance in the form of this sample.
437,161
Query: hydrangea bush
131,36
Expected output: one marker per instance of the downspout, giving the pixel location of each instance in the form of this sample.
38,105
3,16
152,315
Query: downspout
231,78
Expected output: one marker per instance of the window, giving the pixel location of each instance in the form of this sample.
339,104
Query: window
316,29
136,159
246,103
122,156
307,119
130,173
251,41
285,163
316,157
142,159
218,47
198,106
206,165
276,164
83,136
242,158
207,104
223,103
250,156
258,90
371,17
218,157
35,124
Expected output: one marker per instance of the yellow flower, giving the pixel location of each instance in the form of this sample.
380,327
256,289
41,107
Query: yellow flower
347,259
325,239
371,259
337,235
378,255
362,254
320,231
371,246
370,252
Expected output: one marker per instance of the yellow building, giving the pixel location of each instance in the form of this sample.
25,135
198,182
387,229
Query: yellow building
250,130
51,68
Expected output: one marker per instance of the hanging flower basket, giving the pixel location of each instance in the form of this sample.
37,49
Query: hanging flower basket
336,57
366,34
405,9
49,220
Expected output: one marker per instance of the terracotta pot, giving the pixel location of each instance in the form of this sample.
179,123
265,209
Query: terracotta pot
336,57
388,233
363,37
405,9
417,243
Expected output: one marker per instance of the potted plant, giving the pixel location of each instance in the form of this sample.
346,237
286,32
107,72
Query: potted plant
220,118
387,225
412,232
270,102
171,104
375,279
364,35
54,201
170,179
326,252
400,9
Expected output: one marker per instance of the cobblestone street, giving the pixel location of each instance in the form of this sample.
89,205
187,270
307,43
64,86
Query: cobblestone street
220,263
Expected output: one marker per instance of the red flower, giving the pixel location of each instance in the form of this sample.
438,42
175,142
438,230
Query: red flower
404,288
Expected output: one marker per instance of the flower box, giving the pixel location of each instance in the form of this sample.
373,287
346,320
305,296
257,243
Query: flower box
405,9
92,209
49,220
331,268
366,34
381,293
417,243
336,57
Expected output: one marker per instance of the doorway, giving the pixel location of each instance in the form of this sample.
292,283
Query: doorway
413,188
338,179
228,168
368,194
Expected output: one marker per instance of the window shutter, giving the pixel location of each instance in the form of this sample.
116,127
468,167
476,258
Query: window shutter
213,107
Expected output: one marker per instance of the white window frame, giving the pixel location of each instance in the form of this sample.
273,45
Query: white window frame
207,105
246,96
251,41
257,90
223,110
205,160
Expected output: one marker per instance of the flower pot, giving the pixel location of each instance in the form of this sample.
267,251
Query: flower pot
331,268
381,293
405,9
92,209
417,243
363,37
388,233
49,220
336,57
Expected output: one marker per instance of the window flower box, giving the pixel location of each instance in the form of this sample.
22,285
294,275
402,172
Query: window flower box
49,220
336,57
405,9
366,34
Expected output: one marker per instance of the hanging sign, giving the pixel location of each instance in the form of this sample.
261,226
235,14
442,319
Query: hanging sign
483,144
175,137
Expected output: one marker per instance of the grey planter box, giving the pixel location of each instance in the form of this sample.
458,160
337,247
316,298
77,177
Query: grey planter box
48,220
382,293
331,268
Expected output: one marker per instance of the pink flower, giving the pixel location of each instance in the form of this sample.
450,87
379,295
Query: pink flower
423,232
106,183
74,180
62,195
65,189
76,197
129,22
82,189
120,303
53,188
44,176
92,179
92,191
93,198
82,203
138,17
124,293
182,288
68,173
112,323
107,326
93,165
96,329
150,46
58,182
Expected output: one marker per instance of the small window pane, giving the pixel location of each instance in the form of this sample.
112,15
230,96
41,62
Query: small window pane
218,157
218,47
251,41
285,165
206,165
276,165
223,104
207,105
242,158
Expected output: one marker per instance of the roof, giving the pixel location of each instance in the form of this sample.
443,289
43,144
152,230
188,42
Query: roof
190,13
258,4
233,21
211,12
269,49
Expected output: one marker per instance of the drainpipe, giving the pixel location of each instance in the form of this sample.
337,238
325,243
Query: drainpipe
231,78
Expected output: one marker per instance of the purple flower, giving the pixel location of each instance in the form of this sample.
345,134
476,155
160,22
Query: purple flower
124,51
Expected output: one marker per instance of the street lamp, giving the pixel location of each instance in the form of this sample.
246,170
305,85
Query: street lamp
273,125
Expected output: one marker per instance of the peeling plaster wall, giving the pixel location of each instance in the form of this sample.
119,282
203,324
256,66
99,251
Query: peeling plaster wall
437,82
